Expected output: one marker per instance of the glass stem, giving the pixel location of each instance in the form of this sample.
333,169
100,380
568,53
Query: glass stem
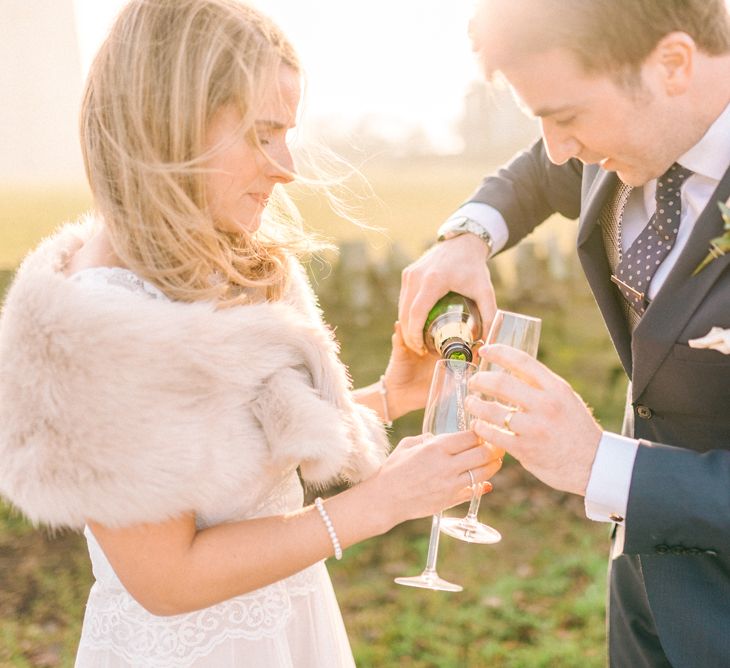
476,497
433,544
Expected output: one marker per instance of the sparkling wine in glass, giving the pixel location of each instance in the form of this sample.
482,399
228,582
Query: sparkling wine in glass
522,332
444,414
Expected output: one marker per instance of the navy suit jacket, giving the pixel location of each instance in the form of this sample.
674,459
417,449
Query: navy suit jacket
678,516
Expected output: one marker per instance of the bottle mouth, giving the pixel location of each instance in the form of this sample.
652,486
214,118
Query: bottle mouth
457,350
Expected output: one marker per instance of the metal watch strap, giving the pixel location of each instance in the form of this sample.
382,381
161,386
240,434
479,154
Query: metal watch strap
455,227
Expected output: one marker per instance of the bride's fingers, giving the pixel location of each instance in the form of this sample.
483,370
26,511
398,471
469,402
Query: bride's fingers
483,473
490,469
396,338
457,442
464,494
412,441
476,468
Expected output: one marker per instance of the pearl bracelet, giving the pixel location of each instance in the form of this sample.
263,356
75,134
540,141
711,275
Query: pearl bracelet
384,396
330,529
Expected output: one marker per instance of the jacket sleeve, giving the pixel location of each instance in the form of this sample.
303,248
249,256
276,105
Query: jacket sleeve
530,189
679,502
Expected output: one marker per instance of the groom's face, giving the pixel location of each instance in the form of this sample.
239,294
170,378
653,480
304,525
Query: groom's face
623,127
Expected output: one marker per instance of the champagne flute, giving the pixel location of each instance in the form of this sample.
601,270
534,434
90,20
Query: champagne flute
444,414
522,332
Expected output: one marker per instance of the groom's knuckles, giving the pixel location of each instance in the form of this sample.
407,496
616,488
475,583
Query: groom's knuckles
548,403
501,385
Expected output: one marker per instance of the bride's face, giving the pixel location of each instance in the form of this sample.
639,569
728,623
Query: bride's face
243,175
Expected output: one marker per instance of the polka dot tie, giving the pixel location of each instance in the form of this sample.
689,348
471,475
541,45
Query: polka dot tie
637,267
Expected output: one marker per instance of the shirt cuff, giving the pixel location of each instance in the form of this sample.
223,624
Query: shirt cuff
607,493
488,218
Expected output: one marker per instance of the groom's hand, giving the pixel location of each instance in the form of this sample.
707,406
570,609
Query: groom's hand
459,265
552,433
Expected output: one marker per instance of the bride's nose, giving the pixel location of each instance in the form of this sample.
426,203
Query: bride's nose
281,164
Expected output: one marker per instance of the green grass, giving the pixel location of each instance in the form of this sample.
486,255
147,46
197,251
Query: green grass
535,599
44,582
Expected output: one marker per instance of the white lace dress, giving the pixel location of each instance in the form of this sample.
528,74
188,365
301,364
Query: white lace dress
294,623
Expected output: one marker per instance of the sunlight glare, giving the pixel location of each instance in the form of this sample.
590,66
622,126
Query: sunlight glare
407,63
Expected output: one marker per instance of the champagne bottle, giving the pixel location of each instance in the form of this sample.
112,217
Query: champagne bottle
452,327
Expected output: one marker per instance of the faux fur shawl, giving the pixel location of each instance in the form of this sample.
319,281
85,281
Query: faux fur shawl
120,408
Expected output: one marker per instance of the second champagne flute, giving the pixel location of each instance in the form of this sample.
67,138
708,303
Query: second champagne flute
522,332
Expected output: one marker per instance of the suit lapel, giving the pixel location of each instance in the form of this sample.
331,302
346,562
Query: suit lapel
592,255
593,198
680,295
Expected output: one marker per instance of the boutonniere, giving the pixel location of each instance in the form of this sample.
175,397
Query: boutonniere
716,339
719,245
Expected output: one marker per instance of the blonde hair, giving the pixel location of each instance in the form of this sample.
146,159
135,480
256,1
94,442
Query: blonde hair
164,70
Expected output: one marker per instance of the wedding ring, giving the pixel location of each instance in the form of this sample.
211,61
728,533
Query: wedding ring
471,477
508,419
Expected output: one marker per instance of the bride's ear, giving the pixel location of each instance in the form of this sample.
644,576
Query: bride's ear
674,55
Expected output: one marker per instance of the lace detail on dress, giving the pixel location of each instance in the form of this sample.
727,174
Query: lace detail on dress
120,277
117,623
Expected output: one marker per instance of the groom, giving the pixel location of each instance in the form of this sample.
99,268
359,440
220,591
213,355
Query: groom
633,97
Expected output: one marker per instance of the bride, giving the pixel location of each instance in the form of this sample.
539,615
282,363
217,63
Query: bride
167,380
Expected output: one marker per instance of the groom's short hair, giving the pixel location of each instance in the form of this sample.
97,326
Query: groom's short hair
606,36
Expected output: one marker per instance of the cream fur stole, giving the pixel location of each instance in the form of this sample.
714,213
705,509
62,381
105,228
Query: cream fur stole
122,409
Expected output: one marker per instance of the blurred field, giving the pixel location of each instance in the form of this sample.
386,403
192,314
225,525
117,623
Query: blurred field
27,214
535,599
408,200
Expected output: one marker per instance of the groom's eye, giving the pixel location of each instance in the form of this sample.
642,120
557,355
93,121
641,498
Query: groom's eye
564,122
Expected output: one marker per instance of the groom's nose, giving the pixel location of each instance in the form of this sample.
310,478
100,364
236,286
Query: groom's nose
561,145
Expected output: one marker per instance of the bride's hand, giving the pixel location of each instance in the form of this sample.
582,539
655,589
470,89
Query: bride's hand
426,474
407,376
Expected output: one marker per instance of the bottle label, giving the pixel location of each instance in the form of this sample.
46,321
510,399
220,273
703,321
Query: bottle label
451,330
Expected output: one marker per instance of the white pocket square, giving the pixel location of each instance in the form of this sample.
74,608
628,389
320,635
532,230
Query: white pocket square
716,339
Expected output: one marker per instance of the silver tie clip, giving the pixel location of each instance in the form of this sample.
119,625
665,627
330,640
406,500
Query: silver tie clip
639,296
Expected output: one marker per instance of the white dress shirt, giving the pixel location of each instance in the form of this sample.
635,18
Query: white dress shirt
608,487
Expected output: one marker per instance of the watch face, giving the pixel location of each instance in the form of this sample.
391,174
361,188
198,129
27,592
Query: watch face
461,225
467,225
454,227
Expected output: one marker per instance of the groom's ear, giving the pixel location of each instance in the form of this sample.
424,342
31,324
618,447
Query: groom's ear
674,56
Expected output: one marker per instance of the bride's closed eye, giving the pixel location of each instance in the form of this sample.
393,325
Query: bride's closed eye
269,137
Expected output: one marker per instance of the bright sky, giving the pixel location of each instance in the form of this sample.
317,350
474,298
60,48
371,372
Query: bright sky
407,60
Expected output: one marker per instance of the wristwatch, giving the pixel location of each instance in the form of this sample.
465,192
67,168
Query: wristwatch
454,227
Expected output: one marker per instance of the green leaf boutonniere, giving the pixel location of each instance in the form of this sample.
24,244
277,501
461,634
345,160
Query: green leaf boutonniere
719,245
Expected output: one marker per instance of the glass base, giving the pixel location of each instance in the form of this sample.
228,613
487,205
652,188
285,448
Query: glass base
429,580
470,531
